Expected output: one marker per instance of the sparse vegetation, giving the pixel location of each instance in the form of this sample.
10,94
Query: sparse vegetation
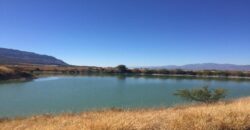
122,69
203,94
229,115
12,74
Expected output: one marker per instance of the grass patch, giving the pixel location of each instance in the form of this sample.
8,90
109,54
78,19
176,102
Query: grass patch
226,115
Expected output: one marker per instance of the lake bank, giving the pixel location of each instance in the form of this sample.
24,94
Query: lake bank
8,74
233,114
36,70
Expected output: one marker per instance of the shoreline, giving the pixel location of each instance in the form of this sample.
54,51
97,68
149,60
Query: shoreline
200,76
9,74
144,75
229,114
37,75
17,80
30,71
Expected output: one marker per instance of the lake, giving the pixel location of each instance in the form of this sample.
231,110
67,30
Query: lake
55,94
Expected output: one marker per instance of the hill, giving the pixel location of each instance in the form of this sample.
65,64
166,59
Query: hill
15,57
205,66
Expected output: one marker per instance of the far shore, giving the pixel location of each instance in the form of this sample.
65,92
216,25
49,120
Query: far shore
28,72
146,75
205,76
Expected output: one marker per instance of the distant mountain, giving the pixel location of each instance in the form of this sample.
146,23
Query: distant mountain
205,66
11,56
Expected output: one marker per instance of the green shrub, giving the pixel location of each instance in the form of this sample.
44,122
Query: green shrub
203,94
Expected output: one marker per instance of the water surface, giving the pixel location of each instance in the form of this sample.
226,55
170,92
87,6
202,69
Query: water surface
78,93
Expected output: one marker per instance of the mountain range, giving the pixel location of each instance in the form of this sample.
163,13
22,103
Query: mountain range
15,57
204,66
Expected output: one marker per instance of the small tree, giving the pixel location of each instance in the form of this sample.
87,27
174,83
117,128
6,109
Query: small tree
202,94
122,68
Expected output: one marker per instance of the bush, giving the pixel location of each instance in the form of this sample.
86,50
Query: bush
202,94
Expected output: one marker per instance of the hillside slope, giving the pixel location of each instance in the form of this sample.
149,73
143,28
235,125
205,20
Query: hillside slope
11,56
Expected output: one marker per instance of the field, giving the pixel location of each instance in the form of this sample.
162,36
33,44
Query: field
234,115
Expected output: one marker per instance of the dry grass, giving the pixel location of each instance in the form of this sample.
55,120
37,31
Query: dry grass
233,115
5,70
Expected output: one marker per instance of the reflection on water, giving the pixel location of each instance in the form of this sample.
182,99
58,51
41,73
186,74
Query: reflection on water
46,79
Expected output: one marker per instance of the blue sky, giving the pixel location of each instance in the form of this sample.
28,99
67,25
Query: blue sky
131,32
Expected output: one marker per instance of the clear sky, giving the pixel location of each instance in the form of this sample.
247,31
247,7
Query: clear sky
131,32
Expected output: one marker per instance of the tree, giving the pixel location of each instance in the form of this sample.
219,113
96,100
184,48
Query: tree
122,68
202,94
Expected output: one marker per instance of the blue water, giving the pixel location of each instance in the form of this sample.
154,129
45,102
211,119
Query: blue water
79,93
